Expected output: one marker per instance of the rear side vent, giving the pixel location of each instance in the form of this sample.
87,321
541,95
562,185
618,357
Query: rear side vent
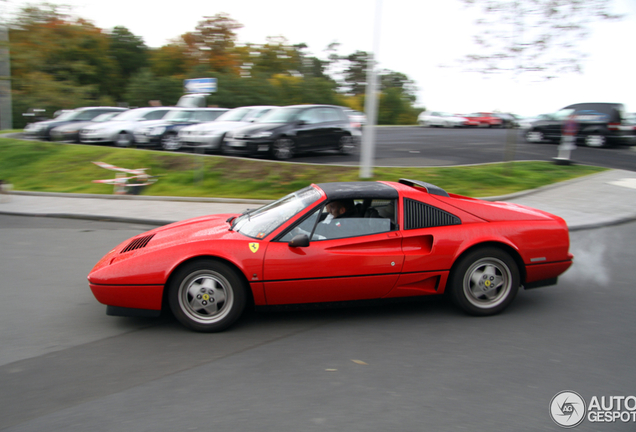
137,243
420,215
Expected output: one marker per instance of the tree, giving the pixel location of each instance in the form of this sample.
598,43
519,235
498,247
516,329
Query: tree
540,37
213,43
129,52
145,86
58,62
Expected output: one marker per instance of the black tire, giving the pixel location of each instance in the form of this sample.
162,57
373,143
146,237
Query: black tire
484,282
346,145
533,136
124,139
283,148
207,295
170,141
595,140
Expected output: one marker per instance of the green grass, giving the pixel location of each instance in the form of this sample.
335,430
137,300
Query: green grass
54,167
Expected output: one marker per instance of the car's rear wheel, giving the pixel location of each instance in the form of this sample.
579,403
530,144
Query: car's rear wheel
207,296
595,140
283,148
124,139
346,145
534,136
484,282
170,141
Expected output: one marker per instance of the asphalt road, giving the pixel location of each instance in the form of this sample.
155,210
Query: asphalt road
418,146
66,366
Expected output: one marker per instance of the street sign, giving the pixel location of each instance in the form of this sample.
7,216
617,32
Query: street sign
200,85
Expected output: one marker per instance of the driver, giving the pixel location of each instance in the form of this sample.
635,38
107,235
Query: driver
342,209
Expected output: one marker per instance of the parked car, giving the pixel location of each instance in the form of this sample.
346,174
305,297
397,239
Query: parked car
441,119
400,239
165,132
358,119
597,125
508,120
70,132
120,129
485,119
42,129
287,131
209,136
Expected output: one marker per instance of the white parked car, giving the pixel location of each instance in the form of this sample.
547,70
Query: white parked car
209,136
120,129
441,119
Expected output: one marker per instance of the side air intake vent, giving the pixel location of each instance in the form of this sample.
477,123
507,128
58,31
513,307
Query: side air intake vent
137,243
420,215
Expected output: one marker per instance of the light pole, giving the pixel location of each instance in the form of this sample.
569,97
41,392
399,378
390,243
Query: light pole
367,150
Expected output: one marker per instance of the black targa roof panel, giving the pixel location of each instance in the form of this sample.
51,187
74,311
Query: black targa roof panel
430,188
344,190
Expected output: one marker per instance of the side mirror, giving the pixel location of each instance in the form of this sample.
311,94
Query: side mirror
300,240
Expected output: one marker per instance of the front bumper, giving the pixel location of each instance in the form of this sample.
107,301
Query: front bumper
248,147
200,141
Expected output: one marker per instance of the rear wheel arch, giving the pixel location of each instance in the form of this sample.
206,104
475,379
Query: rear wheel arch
514,254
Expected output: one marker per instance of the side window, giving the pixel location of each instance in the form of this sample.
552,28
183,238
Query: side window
310,116
330,115
420,215
347,218
155,115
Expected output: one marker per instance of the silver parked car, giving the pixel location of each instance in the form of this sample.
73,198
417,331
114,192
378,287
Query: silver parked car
120,129
209,136
70,132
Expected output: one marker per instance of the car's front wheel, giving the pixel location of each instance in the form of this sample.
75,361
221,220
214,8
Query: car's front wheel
170,141
346,145
207,296
534,136
595,140
484,282
283,148
124,139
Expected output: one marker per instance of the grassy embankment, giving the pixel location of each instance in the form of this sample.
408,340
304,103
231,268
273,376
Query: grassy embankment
52,167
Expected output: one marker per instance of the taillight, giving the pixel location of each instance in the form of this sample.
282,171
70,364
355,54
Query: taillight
614,126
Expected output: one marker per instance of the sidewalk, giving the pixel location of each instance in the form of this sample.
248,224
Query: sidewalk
593,201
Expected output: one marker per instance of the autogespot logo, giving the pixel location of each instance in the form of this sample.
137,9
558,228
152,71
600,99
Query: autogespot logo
567,409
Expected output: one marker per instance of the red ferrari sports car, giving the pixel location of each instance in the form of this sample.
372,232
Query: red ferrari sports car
335,242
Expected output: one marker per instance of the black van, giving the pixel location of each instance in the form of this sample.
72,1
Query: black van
598,125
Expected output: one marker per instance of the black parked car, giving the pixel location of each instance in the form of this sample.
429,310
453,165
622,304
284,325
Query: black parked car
597,125
165,132
287,131
42,129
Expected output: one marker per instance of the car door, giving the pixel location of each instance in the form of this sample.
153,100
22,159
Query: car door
309,130
347,259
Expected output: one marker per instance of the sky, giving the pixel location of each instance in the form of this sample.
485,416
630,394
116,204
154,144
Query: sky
415,37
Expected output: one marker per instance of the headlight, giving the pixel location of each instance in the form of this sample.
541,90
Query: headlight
158,130
262,134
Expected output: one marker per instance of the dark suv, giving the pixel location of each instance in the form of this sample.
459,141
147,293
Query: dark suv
287,131
598,125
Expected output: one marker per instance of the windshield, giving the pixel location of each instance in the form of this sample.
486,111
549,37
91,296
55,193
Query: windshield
282,115
105,117
261,222
131,114
70,115
178,115
206,115
236,114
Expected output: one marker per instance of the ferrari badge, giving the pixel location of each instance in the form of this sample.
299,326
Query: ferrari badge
253,247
